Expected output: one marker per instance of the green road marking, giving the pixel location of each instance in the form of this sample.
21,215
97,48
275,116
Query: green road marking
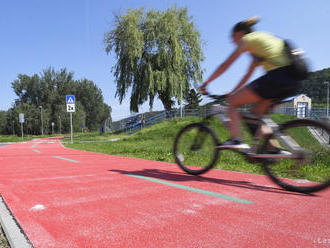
36,150
33,146
67,159
201,191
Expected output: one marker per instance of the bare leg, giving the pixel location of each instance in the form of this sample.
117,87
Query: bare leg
243,96
260,109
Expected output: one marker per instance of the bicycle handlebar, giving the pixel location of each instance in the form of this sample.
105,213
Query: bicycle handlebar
218,97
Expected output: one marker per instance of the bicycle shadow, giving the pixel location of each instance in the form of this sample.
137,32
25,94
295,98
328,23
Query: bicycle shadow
180,177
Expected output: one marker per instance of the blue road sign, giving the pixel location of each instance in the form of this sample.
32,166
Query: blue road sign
70,99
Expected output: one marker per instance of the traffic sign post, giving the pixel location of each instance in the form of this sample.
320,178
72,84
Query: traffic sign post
71,127
70,107
21,120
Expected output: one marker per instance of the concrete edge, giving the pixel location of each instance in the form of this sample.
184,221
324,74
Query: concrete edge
13,232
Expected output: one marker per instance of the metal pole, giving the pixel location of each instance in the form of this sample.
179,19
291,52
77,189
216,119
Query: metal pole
71,127
22,129
60,124
42,124
181,99
326,82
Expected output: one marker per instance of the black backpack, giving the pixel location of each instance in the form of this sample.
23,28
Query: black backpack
299,67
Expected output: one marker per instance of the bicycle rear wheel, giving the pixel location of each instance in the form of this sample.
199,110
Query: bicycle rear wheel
309,170
194,148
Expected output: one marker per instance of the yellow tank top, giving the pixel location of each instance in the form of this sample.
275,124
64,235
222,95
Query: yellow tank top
268,48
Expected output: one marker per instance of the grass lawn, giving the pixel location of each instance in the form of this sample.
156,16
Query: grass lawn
14,138
156,143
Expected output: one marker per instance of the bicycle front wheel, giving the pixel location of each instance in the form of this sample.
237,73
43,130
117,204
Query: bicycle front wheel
308,169
194,149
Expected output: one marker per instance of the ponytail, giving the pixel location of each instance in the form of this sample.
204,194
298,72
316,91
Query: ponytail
252,21
246,25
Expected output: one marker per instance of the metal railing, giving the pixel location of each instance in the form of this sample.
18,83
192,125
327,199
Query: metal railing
136,123
314,113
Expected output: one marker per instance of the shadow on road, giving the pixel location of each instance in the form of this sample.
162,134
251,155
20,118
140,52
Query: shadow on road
180,177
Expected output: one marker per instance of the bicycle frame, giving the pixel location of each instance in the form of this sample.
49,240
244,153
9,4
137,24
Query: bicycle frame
250,118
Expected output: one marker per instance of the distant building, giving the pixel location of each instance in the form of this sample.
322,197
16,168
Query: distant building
299,105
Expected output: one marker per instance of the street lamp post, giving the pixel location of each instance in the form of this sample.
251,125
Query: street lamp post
42,124
326,82
13,120
13,127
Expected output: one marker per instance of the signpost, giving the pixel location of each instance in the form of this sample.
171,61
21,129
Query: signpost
70,108
21,120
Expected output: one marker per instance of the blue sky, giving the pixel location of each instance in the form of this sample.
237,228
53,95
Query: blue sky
36,34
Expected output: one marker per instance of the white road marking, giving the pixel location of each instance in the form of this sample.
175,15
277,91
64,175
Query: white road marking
66,159
38,207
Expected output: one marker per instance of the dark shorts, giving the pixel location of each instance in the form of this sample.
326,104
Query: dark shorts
276,84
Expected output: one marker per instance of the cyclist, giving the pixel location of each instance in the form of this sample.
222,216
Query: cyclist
267,51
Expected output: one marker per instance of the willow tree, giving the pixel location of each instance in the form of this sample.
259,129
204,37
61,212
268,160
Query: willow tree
158,55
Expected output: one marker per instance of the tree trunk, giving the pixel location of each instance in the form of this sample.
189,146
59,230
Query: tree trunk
166,100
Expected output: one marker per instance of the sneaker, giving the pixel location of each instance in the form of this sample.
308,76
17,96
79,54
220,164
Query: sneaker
279,151
234,143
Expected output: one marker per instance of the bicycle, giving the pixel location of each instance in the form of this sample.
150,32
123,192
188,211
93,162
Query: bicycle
302,164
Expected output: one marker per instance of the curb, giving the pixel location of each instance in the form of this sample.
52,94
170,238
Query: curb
13,232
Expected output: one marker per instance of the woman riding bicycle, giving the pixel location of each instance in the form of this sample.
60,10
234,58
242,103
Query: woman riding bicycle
267,51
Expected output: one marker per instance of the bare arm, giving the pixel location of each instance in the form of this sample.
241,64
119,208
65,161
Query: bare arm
228,62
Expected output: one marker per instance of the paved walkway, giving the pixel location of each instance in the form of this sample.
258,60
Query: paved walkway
67,198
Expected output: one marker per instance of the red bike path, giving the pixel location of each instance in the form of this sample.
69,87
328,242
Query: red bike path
62,197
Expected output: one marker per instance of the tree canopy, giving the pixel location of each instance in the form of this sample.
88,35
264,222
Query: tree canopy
193,99
314,86
158,52
44,95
